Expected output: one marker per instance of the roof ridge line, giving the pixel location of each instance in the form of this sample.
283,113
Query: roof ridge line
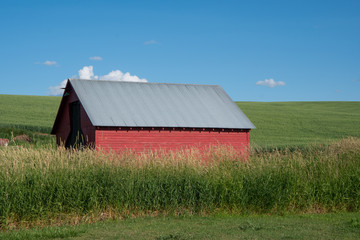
155,83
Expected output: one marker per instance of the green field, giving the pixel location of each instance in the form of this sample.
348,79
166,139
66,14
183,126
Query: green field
282,124
30,112
313,167
278,124
30,115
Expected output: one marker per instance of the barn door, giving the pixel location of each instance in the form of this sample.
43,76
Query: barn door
76,137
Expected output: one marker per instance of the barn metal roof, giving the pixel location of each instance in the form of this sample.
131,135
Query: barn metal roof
138,104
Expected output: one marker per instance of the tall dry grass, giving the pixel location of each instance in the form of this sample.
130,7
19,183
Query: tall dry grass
48,185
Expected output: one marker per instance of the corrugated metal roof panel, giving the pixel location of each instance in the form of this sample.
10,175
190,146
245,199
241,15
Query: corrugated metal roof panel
137,104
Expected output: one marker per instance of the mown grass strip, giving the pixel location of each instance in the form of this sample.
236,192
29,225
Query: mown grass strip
305,226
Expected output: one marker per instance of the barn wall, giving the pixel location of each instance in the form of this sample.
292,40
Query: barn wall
168,139
87,127
64,128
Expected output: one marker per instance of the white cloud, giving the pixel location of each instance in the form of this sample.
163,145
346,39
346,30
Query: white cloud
47,63
57,90
117,75
270,83
87,72
151,42
96,58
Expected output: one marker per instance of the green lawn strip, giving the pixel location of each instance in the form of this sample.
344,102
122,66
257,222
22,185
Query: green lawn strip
316,226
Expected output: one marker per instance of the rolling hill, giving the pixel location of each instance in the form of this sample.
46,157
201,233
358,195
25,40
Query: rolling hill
278,124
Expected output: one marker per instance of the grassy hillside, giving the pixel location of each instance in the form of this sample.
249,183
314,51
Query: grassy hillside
300,123
30,115
278,124
30,112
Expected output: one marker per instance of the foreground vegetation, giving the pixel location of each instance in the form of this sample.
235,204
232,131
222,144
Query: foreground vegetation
305,226
43,186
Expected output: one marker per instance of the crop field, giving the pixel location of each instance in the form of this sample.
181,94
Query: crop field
35,113
305,159
287,124
30,115
279,124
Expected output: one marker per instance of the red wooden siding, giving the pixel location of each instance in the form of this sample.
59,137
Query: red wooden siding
63,129
140,140
87,127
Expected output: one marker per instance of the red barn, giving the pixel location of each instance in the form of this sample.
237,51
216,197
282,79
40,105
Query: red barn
148,116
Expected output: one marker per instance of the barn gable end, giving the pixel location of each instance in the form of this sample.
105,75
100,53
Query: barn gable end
151,116
62,126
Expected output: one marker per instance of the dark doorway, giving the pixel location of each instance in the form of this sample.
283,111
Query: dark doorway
76,137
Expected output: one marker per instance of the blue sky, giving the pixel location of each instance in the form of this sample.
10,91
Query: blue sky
256,50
